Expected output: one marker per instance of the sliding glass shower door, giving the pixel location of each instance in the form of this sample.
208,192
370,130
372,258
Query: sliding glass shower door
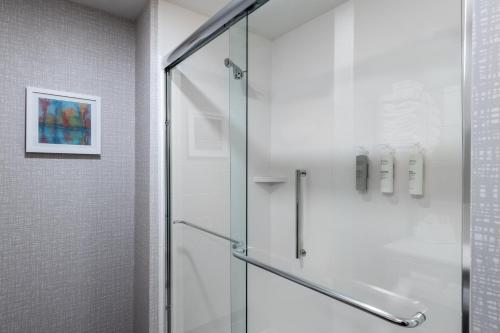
207,162
315,171
354,166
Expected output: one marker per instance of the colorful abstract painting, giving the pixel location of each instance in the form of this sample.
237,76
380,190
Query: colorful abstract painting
64,122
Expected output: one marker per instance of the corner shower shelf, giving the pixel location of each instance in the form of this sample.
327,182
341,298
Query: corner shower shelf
269,179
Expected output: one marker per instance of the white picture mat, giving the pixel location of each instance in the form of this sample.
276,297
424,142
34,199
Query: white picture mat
32,144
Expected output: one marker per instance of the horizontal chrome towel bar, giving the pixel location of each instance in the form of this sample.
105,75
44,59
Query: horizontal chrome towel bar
416,320
189,224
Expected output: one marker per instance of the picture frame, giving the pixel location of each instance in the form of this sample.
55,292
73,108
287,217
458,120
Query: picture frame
62,122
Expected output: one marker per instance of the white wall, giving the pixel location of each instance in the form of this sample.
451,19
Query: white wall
175,24
360,75
259,195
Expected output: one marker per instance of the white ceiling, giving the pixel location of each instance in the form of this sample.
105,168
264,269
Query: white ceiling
123,8
205,7
271,21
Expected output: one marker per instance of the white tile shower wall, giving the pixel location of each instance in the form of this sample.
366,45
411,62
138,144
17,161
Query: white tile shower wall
66,222
364,75
485,219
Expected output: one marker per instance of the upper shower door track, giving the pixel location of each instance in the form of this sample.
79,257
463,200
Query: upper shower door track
217,24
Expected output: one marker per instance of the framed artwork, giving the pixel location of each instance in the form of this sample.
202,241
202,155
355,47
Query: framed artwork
62,122
208,135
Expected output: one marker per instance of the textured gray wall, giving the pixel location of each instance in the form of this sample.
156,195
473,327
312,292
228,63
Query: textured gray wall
146,274
142,162
66,222
485,279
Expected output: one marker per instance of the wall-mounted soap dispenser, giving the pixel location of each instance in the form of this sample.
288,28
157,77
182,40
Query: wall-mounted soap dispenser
362,170
416,171
387,170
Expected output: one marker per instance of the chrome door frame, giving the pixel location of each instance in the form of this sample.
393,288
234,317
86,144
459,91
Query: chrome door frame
467,15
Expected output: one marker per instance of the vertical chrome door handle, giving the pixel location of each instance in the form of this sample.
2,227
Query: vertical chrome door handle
299,250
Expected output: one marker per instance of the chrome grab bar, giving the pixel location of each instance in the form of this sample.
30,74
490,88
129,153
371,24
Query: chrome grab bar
414,321
213,233
299,248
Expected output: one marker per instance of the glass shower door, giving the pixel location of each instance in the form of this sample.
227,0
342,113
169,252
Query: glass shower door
238,74
316,171
354,166
207,110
